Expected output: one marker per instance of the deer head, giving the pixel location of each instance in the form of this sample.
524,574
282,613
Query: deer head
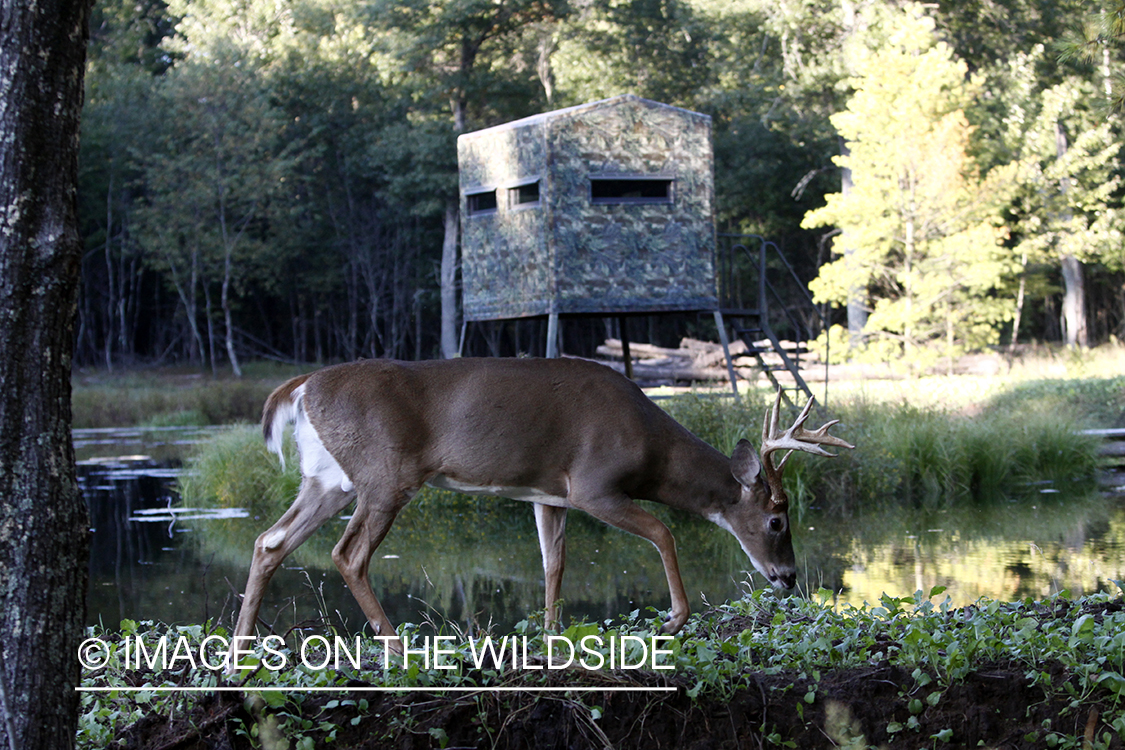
760,519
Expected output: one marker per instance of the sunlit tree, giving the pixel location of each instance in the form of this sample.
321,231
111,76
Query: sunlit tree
1068,173
919,219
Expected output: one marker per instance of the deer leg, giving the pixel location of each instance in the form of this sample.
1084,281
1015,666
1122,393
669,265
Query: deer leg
313,506
628,516
550,521
352,556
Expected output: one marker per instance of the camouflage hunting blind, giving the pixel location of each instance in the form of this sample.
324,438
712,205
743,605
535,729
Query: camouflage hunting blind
605,208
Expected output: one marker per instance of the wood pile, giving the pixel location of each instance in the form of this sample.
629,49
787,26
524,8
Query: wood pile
696,360
702,361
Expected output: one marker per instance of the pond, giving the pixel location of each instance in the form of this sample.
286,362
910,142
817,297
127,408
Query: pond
476,560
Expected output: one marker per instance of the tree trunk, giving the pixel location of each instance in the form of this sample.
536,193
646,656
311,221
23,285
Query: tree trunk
857,296
44,526
210,331
111,296
193,307
450,341
1074,283
449,344
908,278
1074,302
1019,302
546,48
224,300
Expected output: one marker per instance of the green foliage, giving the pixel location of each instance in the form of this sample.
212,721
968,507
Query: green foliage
124,31
918,236
658,50
234,470
1067,176
1072,651
1094,36
215,183
132,401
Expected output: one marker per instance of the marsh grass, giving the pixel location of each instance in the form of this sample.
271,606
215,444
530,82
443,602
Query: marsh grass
233,469
170,397
719,421
904,455
922,457
928,455
163,405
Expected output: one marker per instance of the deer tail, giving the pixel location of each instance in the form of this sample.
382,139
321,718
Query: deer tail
281,409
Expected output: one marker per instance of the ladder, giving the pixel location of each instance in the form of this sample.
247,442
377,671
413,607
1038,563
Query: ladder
759,324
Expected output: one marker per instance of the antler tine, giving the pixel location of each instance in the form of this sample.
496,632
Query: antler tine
769,422
820,435
769,434
796,438
769,446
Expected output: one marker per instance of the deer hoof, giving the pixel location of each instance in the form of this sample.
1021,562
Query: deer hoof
674,622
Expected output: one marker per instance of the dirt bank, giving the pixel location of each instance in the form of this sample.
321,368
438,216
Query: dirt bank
995,706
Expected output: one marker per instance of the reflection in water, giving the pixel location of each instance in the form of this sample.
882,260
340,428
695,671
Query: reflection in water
1003,551
477,559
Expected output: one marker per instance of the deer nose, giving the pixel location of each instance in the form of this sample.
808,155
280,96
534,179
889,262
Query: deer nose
785,579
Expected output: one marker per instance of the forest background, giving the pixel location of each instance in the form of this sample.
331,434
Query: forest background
278,178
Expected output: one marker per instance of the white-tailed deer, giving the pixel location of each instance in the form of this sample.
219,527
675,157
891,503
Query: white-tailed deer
560,433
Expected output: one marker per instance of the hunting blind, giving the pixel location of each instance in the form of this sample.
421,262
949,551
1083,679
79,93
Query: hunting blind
604,208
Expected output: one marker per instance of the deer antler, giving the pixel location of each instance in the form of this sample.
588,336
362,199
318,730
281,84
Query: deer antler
796,438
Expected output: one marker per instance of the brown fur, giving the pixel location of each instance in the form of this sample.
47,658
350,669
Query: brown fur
565,433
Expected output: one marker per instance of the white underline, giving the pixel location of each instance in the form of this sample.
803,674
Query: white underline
435,689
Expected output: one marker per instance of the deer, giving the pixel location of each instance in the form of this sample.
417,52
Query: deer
559,433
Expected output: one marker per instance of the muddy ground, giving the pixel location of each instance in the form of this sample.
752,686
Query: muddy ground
994,707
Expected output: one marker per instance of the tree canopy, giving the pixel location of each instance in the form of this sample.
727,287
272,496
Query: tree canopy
277,178
921,220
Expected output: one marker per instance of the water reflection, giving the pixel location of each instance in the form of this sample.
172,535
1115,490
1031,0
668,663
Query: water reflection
477,559
1006,550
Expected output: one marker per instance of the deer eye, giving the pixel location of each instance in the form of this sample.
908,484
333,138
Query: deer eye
776,525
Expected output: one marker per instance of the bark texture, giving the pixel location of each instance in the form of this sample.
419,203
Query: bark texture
43,521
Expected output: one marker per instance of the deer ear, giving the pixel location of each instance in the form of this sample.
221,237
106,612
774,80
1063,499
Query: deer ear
744,464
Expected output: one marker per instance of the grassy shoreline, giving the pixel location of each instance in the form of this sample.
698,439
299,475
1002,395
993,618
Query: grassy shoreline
173,396
1084,386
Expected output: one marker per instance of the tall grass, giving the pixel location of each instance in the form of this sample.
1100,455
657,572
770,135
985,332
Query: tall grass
233,469
904,455
169,397
158,405
925,456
